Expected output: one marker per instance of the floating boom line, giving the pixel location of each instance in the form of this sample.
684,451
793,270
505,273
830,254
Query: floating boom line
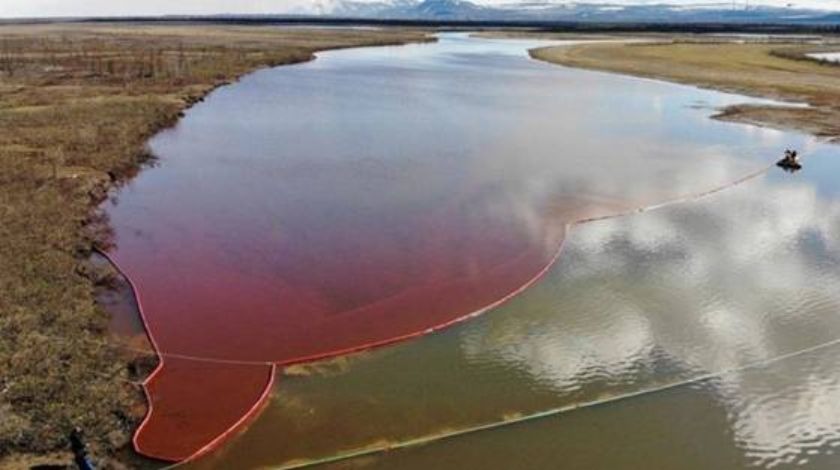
451,434
433,438
568,227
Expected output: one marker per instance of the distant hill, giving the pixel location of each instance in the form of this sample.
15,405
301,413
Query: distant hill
464,10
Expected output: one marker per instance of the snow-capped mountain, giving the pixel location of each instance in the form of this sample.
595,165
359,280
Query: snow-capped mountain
409,9
553,10
447,8
351,7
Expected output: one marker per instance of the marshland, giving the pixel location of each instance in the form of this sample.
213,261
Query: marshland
443,173
78,104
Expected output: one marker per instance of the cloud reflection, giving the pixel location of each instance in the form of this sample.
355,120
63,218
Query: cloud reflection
711,285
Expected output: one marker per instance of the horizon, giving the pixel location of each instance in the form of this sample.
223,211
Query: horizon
12,9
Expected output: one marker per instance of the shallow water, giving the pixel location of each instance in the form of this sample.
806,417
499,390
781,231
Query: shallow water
375,193
829,56
726,284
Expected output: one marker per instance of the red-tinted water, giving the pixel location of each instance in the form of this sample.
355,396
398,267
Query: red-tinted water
321,294
365,198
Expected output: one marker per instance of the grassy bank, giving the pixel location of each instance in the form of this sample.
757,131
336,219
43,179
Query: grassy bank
774,69
77,104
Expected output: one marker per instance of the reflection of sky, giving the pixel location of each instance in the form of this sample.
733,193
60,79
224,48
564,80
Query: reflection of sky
787,414
830,56
739,277
693,288
392,132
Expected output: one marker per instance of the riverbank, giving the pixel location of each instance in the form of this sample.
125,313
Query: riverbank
77,105
774,69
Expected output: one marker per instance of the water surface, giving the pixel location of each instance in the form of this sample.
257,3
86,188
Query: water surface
740,284
829,56
375,194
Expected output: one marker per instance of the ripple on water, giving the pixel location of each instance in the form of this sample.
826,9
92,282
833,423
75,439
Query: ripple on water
635,303
303,217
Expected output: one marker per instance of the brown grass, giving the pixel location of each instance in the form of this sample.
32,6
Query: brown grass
77,104
763,69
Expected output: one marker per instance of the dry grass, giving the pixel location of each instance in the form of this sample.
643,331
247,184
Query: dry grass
77,104
770,69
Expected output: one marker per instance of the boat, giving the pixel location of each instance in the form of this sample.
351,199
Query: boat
790,162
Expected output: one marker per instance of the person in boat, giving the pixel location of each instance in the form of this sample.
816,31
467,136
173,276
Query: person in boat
791,160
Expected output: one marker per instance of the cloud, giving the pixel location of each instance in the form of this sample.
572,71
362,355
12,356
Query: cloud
46,8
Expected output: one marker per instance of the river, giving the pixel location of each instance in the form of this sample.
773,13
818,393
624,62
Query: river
383,194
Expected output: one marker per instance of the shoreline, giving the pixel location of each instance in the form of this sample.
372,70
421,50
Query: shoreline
91,185
190,101
181,67
775,71
483,309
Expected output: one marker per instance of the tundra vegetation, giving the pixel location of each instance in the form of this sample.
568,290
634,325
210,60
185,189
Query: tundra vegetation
775,67
77,104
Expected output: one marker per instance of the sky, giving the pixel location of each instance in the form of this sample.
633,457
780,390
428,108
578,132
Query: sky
43,8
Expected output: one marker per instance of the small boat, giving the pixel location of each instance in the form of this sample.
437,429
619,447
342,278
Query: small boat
790,162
